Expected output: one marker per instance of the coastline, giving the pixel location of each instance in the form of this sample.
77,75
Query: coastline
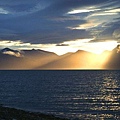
7,113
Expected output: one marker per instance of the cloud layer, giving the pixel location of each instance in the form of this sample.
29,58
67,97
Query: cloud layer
57,21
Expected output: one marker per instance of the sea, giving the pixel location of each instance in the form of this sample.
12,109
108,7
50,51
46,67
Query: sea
72,94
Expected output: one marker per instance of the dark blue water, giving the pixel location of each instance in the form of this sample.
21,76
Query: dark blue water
70,94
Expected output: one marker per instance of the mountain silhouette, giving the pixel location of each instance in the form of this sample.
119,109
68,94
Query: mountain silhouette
8,49
86,60
11,52
114,60
40,59
77,60
28,59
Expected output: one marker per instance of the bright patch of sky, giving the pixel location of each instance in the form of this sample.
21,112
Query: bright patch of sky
81,11
99,47
65,47
89,24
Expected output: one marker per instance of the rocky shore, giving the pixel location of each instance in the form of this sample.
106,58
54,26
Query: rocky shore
15,114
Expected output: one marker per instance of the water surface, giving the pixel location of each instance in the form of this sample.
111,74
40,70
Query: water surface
70,94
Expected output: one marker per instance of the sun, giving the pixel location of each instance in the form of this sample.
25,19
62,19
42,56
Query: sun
100,47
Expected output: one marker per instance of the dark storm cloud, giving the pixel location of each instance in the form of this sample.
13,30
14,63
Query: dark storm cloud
43,21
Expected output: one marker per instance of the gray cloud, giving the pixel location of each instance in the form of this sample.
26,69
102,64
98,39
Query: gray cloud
47,21
116,33
110,32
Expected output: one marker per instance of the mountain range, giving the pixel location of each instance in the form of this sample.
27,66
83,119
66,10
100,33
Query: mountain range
40,59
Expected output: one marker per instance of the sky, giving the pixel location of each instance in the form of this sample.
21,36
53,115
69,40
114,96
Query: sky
60,26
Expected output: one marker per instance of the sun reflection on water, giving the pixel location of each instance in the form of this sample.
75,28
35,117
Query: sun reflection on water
108,102
104,103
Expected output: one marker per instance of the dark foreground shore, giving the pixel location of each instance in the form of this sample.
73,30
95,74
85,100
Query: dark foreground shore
15,114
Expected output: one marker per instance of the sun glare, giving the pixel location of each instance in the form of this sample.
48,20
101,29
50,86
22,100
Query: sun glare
100,47
101,60
95,61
